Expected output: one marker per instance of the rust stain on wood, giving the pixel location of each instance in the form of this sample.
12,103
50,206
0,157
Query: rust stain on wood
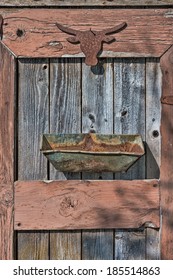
86,204
167,157
37,31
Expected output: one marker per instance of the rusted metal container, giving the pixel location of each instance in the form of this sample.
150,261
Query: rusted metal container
92,152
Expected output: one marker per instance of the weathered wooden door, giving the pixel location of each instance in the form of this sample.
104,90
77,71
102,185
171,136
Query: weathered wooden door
47,88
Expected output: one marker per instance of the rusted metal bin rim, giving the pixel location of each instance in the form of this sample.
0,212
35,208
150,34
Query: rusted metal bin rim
92,152
91,143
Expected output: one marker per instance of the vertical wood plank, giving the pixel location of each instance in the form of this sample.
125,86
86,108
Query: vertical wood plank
129,106
97,116
166,174
33,122
7,101
153,117
129,245
129,118
152,244
65,117
153,142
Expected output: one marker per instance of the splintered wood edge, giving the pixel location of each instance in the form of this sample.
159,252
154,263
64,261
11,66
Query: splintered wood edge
86,204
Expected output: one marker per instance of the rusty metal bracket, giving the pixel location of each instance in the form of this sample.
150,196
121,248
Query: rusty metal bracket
91,41
1,25
167,100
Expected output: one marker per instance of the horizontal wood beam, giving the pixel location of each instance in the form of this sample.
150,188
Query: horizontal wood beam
33,32
86,204
61,3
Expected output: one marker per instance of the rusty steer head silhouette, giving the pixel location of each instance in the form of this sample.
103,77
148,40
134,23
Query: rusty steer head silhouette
91,41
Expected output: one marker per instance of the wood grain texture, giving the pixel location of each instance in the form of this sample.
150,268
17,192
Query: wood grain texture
97,244
153,142
97,116
97,97
33,121
33,245
153,118
129,118
65,245
86,204
127,244
152,244
65,117
73,3
7,101
166,174
129,106
33,32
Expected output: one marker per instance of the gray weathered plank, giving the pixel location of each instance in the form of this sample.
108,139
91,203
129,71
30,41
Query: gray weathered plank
152,244
129,106
153,117
33,245
7,168
153,142
38,3
130,245
65,245
129,118
33,121
97,244
97,116
65,117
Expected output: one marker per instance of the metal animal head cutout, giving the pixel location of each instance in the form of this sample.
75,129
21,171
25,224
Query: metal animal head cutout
91,41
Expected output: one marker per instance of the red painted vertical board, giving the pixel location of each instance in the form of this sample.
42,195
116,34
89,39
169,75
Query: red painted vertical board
166,176
7,89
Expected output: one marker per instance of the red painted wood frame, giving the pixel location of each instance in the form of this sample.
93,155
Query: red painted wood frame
33,33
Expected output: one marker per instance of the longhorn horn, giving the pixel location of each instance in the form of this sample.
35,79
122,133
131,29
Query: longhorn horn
66,29
115,29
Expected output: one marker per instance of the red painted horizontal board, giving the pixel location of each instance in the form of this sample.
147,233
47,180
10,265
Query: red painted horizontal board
33,32
86,204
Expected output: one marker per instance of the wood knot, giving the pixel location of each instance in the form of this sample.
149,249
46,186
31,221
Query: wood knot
7,199
20,32
68,206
